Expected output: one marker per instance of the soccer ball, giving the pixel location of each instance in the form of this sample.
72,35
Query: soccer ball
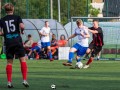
53,86
79,65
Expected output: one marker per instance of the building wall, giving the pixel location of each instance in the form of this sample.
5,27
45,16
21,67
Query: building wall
111,8
98,4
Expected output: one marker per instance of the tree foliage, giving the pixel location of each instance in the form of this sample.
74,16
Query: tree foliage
93,11
41,8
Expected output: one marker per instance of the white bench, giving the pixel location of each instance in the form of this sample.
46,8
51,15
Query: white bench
63,53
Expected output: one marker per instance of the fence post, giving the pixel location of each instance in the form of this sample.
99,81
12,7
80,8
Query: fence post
106,8
68,10
48,8
51,9
87,8
27,8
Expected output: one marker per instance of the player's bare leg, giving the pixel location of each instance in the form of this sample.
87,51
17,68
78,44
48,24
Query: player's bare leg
9,73
24,71
87,53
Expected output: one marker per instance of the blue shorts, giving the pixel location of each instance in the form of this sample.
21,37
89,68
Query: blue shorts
80,49
36,48
45,44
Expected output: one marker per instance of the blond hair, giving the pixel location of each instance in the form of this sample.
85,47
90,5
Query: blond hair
9,7
79,21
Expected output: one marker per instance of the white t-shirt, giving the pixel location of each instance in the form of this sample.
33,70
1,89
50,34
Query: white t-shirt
39,44
45,30
82,40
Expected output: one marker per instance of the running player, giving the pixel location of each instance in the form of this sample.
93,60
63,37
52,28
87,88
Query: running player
13,41
45,39
81,46
96,45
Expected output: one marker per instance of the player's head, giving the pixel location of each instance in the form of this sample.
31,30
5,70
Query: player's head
79,22
62,37
46,23
9,8
29,36
53,36
95,23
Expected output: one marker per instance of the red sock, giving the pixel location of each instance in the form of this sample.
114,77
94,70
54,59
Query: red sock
24,70
9,73
89,61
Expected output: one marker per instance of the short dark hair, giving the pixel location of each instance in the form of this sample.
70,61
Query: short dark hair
53,34
95,20
46,21
29,35
63,36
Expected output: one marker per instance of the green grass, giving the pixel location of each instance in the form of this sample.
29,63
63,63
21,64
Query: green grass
103,75
110,56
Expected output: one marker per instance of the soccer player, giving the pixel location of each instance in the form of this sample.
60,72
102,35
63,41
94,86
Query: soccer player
13,41
81,46
96,45
45,39
98,55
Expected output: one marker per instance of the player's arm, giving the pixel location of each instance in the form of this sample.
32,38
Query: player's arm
22,27
41,32
1,33
95,31
86,35
49,34
72,36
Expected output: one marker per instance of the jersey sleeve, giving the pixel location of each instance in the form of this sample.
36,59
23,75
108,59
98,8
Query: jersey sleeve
41,31
90,28
19,20
86,30
75,32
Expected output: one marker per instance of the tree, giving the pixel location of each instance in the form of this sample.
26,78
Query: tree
93,11
35,9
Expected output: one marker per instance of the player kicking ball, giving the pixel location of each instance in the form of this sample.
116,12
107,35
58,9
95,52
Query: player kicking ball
81,46
10,25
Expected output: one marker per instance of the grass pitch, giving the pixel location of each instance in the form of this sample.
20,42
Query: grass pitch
103,75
